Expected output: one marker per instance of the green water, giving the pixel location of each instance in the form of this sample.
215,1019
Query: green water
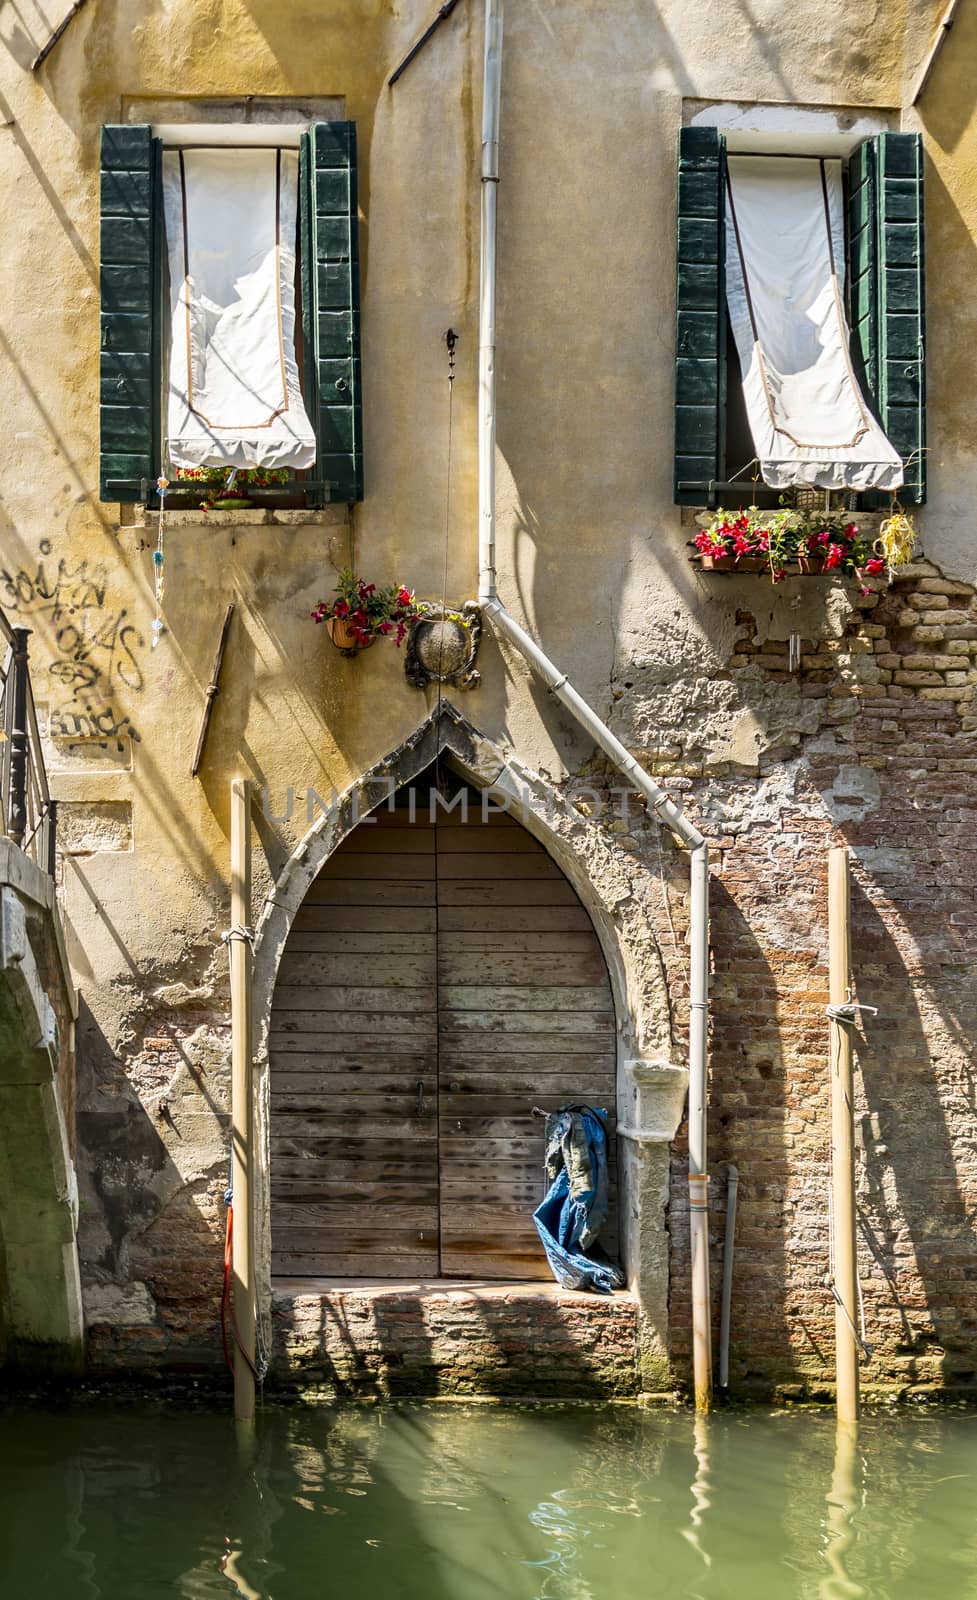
467,1503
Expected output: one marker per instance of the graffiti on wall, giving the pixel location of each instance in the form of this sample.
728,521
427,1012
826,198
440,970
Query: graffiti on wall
95,646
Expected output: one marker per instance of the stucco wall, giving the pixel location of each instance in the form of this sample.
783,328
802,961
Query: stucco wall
592,99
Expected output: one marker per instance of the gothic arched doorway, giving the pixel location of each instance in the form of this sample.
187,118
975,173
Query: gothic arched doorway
440,980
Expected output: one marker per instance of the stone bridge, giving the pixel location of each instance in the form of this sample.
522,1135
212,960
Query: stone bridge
41,1323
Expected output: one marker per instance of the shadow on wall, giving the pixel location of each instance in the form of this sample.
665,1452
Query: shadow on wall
408,1342
915,1217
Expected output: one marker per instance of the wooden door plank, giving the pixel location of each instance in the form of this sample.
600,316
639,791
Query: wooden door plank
468,941
353,1124
314,1049
411,839
518,968
477,817
488,892
377,866
333,1189
345,918
361,1025
474,1064
338,1085
477,917
578,1023
328,997
478,841
391,892
371,1263
400,970
520,866
479,997
472,1046
352,1219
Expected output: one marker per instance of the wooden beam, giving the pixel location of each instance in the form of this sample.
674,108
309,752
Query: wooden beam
212,689
845,1267
242,1122
948,19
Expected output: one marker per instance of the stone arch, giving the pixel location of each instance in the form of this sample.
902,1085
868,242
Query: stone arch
651,1088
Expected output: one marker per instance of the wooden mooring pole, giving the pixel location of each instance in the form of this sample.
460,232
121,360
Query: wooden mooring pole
242,1131
844,1267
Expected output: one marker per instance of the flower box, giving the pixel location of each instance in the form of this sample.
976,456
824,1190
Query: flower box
800,543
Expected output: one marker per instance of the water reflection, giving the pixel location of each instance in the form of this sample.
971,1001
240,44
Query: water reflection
840,1527
468,1503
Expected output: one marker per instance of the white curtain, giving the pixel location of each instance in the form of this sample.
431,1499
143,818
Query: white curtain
785,286
234,394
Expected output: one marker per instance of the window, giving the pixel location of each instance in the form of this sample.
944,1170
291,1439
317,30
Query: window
133,320
884,278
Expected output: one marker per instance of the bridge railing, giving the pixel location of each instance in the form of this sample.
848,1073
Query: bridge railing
28,815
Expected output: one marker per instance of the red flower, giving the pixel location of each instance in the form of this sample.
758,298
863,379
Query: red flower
404,597
874,566
824,537
385,627
834,556
341,609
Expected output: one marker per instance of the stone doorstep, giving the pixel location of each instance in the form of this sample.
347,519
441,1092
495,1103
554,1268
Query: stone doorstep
463,1336
288,1289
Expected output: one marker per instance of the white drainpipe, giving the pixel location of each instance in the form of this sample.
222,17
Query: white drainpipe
560,687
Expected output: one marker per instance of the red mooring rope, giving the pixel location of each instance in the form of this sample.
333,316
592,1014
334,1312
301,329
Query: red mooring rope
227,1300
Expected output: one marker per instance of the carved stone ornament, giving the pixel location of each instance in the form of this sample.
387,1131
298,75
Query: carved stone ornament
442,646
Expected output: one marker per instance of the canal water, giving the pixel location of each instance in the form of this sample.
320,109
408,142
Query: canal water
427,1502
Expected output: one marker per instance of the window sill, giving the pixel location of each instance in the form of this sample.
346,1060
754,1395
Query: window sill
254,517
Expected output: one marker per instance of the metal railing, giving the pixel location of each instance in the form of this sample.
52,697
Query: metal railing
28,815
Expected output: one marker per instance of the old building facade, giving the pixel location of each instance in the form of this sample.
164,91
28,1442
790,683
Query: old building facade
862,733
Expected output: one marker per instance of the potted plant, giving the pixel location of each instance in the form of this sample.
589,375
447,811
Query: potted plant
362,613
804,542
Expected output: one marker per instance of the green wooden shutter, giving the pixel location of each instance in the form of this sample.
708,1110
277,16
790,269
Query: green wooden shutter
331,304
700,347
130,312
886,295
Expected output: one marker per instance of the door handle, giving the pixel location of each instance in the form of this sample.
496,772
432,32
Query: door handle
420,1097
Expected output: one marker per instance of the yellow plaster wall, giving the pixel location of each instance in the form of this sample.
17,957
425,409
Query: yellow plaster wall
592,552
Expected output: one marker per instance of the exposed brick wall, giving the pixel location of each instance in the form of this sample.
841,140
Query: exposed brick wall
890,772
401,1341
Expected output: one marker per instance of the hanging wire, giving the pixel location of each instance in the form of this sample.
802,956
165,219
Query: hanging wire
451,340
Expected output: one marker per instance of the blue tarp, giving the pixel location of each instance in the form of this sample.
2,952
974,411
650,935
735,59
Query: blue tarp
569,1219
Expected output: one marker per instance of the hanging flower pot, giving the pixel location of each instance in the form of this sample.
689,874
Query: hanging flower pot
343,636
363,613
811,565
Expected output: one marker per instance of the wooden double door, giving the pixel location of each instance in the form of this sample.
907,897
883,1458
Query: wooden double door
440,981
